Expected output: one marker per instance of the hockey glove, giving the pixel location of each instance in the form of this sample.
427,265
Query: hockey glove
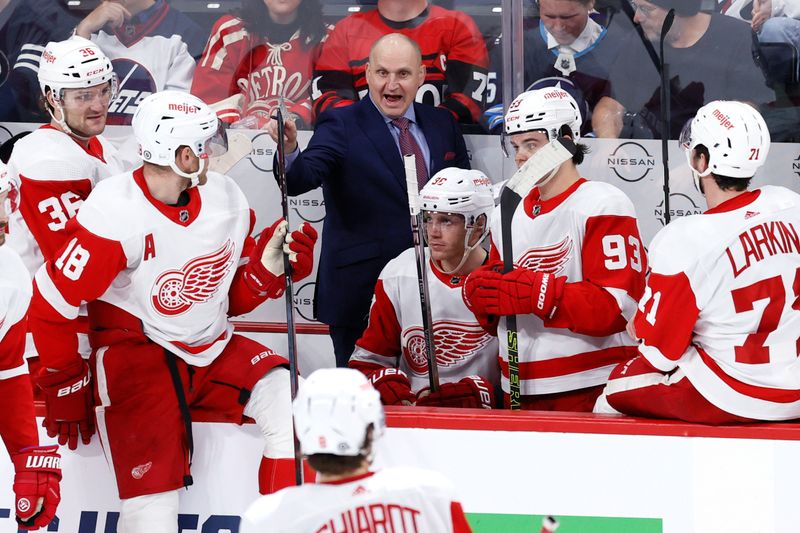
38,471
300,247
393,386
69,403
471,391
265,269
519,292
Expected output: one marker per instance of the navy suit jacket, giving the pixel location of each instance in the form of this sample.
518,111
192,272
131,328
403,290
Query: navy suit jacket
354,158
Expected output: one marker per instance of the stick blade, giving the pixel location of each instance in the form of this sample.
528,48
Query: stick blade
239,147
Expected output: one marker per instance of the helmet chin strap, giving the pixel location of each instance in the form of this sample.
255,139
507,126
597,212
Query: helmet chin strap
193,177
695,174
62,122
467,250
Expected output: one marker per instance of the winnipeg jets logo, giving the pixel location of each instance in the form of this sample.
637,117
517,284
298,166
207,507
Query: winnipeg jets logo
550,259
175,291
454,341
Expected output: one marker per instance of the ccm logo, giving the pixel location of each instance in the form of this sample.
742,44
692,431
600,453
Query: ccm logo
75,387
542,291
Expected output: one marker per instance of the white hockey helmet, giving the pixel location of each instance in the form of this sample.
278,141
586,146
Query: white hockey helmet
333,409
548,110
456,190
465,192
75,63
167,120
735,135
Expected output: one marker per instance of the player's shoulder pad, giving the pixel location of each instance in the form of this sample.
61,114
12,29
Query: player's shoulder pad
48,154
404,265
600,198
411,477
262,512
783,197
107,211
222,184
678,245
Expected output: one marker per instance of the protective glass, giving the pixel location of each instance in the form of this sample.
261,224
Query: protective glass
84,97
508,147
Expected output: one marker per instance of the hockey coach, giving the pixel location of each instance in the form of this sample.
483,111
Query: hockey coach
355,155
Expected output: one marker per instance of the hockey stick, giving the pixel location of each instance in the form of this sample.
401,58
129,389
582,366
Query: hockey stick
289,294
239,147
540,165
665,111
422,270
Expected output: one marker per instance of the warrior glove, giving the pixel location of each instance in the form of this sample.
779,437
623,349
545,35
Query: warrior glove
69,403
38,471
471,391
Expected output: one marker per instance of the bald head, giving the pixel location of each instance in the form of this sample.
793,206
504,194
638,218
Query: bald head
394,73
396,42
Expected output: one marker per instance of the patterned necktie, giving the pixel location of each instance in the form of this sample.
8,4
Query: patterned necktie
408,145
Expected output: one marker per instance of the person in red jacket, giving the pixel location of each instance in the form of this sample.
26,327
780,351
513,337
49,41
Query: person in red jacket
259,54
453,53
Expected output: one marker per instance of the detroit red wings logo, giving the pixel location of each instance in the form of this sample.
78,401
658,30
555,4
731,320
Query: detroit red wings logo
550,259
454,341
175,291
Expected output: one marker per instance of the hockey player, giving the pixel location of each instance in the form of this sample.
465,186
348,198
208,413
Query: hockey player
579,268
457,204
37,467
163,256
151,45
257,56
58,164
338,417
453,53
720,318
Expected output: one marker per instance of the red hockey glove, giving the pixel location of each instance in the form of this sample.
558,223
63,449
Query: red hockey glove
69,403
300,247
393,386
519,292
471,391
38,471
265,268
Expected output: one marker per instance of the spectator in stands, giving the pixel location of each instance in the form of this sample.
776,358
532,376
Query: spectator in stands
709,57
453,53
259,54
566,46
152,47
774,21
25,29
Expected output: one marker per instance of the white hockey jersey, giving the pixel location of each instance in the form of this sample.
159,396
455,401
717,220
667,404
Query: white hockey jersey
55,175
15,295
588,234
170,267
395,337
394,500
723,303
17,419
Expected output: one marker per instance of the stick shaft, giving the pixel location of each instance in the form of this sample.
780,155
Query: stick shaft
289,294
